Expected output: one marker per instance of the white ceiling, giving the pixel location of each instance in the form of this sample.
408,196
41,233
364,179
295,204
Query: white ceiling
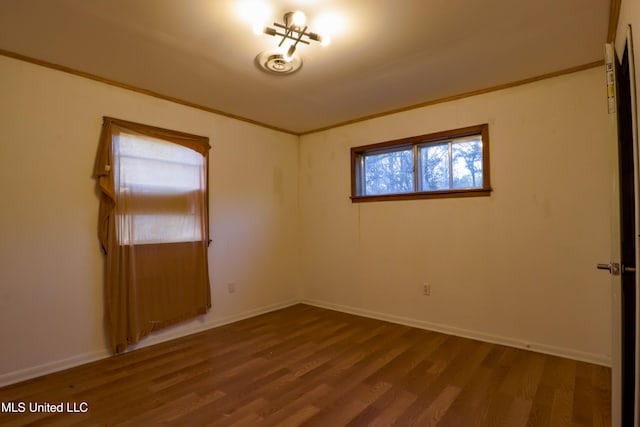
390,54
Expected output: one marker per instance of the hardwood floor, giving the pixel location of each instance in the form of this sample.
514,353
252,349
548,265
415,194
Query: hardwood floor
314,367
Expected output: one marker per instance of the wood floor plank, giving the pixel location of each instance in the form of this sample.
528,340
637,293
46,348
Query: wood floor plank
438,408
295,410
518,413
299,417
343,409
387,408
307,366
471,408
525,374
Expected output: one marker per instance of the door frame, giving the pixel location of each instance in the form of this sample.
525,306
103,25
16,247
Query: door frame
624,162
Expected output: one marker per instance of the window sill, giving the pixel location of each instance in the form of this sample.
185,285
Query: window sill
476,192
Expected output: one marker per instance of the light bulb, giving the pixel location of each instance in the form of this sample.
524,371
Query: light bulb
289,55
255,12
329,24
298,19
260,28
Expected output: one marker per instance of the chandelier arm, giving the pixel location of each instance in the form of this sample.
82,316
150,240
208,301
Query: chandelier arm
300,35
285,36
290,30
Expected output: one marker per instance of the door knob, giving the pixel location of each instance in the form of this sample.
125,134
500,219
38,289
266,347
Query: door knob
613,267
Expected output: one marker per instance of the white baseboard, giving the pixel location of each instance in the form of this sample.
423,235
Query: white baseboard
195,327
598,359
156,338
50,367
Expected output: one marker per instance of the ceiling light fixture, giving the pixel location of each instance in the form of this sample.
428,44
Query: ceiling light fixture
294,28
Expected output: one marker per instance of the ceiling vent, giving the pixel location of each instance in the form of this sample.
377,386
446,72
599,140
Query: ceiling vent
275,62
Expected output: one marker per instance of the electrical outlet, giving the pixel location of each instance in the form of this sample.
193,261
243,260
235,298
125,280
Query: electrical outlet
426,289
231,287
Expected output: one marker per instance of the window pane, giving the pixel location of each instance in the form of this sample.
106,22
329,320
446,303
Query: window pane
161,191
157,163
159,228
467,163
435,167
389,173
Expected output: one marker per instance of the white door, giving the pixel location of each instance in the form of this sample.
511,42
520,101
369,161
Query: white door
613,265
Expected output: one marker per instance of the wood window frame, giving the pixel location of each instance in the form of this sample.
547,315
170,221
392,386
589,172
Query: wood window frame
413,142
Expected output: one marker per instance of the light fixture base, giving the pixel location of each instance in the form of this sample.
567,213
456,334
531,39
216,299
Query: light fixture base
274,62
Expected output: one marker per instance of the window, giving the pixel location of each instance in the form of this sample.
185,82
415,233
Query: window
445,164
153,227
158,184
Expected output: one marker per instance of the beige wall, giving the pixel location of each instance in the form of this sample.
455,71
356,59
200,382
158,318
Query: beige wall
51,305
517,267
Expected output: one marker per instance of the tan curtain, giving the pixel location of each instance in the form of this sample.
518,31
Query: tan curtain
153,227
